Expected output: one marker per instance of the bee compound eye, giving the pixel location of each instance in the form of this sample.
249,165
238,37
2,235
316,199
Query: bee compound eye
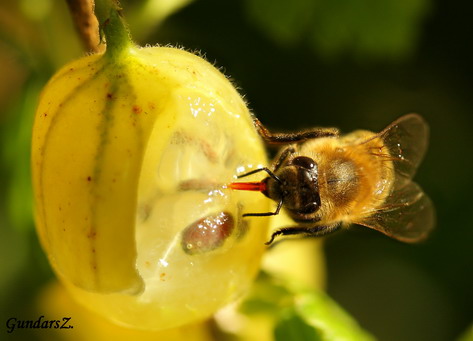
304,162
208,233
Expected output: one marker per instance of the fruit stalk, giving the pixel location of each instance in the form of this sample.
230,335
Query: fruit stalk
113,27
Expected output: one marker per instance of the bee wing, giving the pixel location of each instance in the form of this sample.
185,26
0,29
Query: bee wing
407,215
406,140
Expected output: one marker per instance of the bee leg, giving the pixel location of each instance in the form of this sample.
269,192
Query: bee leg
286,138
285,153
316,231
276,212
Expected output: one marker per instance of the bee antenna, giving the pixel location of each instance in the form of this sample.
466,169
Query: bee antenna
265,169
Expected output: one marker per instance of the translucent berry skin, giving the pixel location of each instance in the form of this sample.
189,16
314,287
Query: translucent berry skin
208,233
126,155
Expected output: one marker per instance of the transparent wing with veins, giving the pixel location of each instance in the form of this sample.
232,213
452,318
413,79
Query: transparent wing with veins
407,213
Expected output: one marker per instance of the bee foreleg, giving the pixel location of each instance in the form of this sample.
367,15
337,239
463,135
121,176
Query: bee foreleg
283,156
285,138
276,212
316,231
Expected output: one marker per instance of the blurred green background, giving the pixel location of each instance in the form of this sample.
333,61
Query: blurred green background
350,64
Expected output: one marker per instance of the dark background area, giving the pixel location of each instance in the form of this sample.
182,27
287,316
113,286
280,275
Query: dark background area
396,291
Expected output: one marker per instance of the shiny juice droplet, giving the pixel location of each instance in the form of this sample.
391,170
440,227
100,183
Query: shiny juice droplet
207,234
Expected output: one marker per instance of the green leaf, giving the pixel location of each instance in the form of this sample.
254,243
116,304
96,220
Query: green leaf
301,314
267,296
321,312
368,28
363,28
284,21
293,327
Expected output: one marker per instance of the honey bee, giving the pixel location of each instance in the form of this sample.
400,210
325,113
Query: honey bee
326,181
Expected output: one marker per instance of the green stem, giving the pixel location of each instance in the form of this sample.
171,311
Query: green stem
113,26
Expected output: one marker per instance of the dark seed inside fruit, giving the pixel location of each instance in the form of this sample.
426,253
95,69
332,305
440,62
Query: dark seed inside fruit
207,234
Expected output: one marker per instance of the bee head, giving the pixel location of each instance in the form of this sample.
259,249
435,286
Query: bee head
296,185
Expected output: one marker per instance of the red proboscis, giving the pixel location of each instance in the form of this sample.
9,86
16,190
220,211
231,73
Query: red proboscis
248,186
